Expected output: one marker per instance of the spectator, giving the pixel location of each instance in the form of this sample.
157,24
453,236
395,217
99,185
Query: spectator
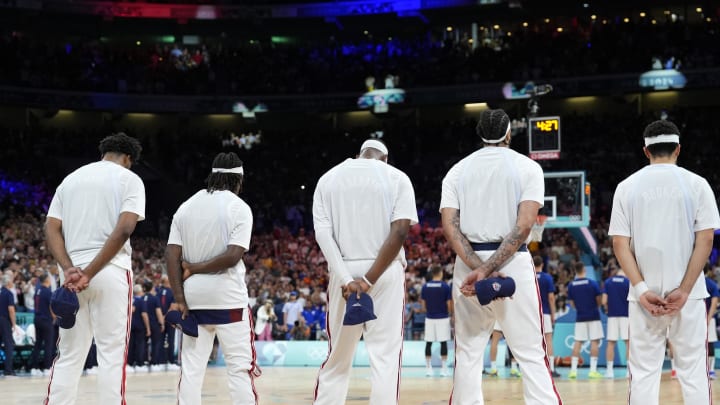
265,320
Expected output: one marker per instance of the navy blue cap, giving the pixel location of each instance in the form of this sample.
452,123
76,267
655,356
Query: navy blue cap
65,305
189,325
358,310
494,287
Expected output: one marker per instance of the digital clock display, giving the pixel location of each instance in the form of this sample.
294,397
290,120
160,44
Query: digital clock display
544,137
550,125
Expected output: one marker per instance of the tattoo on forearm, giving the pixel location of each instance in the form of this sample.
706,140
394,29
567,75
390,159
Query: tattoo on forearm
471,258
507,249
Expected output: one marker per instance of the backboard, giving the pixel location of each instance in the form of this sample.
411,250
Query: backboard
567,200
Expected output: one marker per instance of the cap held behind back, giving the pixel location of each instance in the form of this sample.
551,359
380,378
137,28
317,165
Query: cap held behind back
65,305
358,310
495,287
189,325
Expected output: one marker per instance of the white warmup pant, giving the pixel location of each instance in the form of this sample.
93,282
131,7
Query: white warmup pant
521,321
236,341
687,332
383,339
105,311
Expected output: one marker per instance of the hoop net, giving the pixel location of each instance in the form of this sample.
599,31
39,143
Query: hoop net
537,230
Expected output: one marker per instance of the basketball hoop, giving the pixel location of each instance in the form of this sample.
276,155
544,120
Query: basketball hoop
538,227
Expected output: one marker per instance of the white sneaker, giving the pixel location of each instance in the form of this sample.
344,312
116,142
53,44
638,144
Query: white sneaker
444,372
172,367
429,372
91,371
129,370
46,373
157,368
141,369
609,374
35,372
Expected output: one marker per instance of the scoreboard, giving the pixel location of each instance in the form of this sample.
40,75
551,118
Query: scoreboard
544,137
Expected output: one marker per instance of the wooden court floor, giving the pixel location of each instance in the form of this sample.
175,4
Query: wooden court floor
279,385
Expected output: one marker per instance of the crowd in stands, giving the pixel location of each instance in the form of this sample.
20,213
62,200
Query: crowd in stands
227,65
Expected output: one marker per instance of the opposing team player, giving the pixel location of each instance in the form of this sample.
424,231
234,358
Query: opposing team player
584,294
662,223
490,201
362,210
546,285
91,217
711,304
436,298
615,301
209,234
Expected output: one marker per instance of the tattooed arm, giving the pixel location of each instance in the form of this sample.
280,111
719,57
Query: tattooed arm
458,241
527,214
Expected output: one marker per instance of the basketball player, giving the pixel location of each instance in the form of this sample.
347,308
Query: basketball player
167,353
614,299
585,295
209,234
662,223
44,330
156,321
7,321
362,210
89,223
436,299
497,334
711,304
546,285
490,201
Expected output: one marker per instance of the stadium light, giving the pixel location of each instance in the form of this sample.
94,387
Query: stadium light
476,105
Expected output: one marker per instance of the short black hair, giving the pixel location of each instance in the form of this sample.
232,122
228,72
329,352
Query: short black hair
121,143
225,181
493,124
661,127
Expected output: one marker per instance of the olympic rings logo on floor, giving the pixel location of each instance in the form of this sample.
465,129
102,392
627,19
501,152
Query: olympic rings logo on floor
316,353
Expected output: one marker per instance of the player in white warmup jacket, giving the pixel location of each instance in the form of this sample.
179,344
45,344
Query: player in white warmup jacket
209,234
362,211
662,223
89,223
490,200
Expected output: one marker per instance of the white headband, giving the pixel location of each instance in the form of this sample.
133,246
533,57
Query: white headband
502,138
234,170
372,143
662,139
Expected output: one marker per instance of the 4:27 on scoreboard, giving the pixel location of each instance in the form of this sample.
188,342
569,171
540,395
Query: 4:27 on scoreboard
544,137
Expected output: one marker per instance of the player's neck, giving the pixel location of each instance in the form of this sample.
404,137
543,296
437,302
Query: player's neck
665,160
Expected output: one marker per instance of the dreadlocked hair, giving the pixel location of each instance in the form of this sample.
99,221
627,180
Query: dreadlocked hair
225,181
661,127
121,143
493,124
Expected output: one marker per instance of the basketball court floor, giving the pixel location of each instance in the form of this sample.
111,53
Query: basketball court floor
294,386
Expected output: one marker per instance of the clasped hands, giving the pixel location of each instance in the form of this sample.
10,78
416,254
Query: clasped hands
75,279
468,286
659,306
357,286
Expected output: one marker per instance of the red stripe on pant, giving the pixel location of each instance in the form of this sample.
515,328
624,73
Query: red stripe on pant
127,335
254,354
542,338
317,381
